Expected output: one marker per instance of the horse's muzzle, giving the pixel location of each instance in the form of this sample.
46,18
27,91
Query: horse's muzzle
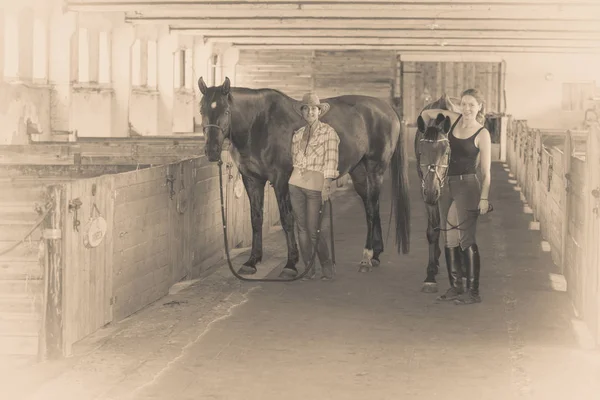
213,154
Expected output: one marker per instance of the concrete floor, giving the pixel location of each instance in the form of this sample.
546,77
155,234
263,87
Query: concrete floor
362,336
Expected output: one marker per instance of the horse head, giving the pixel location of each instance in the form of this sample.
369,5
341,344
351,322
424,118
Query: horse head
433,153
215,107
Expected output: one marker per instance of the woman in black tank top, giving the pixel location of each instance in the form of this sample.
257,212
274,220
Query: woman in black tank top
463,198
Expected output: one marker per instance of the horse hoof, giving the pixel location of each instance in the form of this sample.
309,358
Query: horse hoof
247,270
364,268
375,262
288,273
429,287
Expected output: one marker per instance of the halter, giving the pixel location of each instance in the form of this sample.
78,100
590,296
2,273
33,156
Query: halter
212,126
434,168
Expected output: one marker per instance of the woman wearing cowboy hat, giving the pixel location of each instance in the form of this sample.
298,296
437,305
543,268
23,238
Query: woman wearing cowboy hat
315,159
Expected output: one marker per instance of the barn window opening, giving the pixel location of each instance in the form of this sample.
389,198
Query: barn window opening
104,75
11,46
152,61
40,50
214,69
179,69
182,69
136,63
83,61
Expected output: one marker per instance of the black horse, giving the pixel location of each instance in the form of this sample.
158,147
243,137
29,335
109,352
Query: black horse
259,124
432,150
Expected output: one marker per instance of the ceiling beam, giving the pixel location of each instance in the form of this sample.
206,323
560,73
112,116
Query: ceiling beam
492,43
301,8
587,14
359,22
423,49
396,33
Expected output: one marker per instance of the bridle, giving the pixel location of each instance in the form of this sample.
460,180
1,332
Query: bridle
435,168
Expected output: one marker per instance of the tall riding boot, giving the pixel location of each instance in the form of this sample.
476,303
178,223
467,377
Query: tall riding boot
453,264
473,264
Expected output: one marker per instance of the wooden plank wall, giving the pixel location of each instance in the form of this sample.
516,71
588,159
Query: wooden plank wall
329,73
88,271
423,82
575,240
365,72
286,70
560,193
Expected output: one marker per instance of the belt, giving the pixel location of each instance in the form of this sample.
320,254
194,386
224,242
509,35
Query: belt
461,177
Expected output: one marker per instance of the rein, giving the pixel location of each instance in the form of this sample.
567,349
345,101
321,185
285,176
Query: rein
312,258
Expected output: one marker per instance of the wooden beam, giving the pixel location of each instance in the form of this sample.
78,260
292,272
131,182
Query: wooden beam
419,49
517,7
362,23
396,33
357,40
589,14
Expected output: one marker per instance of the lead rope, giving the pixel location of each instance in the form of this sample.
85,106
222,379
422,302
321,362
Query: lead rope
312,258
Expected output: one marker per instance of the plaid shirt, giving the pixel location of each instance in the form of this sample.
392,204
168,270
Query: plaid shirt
321,152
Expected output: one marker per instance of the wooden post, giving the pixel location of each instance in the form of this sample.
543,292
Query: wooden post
592,216
53,304
565,199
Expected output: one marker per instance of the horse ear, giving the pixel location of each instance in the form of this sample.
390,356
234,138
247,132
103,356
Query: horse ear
202,85
447,125
421,124
226,86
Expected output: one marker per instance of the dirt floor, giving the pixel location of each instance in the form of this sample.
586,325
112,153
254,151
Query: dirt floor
362,336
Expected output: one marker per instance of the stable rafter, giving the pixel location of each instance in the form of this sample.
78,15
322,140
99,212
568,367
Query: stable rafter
407,49
395,33
540,25
457,41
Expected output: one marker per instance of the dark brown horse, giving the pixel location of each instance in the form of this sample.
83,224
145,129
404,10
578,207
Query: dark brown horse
259,124
432,150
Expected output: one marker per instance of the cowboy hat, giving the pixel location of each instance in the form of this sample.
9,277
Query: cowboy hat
311,99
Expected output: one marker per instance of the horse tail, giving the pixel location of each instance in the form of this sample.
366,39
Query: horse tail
401,201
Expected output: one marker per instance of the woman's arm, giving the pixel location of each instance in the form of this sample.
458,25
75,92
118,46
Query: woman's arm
433,113
485,162
330,168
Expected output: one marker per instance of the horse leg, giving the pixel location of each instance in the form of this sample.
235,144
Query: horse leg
360,182
255,188
375,180
433,238
287,223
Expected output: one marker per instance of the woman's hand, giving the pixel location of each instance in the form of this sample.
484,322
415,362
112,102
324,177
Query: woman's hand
484,205
326,192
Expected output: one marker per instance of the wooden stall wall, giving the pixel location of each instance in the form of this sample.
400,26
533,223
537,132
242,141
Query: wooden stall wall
329,73
88,272
560,181
164,226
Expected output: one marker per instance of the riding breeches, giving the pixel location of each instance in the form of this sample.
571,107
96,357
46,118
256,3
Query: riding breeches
460,222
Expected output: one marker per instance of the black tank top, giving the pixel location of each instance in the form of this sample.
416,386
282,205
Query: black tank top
463,156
